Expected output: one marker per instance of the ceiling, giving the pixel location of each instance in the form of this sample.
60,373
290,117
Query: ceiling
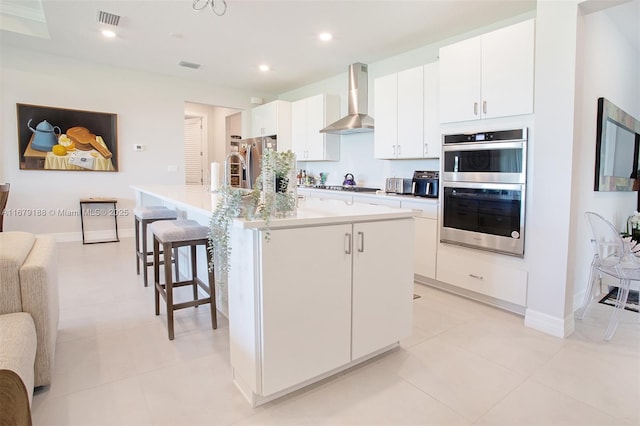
155,35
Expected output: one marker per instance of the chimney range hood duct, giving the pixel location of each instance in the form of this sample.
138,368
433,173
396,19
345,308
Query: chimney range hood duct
357,121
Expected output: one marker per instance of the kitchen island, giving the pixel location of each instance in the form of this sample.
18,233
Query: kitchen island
311,294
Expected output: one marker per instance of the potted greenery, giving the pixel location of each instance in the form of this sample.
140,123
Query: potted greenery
272,196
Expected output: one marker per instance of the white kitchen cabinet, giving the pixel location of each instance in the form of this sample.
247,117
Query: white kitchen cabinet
382,302
399,107
482,273
488,76
306,322
315,299
426,237
273,118
407,124
308,117
432,136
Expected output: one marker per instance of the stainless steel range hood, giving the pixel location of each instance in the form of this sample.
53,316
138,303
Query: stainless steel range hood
357,121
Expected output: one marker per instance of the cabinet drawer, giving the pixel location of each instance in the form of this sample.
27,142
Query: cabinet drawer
482,276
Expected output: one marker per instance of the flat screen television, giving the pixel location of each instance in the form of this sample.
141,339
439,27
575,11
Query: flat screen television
617,149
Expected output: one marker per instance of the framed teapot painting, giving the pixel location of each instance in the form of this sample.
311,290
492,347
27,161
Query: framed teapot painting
52,138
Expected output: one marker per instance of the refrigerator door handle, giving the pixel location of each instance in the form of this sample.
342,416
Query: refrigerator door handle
248,167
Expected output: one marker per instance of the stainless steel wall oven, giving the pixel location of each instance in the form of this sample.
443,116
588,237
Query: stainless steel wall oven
483,190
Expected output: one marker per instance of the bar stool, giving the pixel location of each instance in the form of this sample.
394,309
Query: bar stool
143,217
181,233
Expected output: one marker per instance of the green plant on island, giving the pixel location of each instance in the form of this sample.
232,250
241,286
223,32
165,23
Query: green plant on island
270,197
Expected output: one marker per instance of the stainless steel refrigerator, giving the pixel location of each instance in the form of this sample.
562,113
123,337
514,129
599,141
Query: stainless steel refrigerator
252,149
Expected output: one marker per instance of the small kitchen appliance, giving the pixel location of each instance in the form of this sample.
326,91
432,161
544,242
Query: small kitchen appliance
426,183
399,186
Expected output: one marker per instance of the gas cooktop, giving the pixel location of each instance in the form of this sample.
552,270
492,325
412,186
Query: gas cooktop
351,188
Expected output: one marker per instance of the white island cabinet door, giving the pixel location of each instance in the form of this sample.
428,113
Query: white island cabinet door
382,295
306,322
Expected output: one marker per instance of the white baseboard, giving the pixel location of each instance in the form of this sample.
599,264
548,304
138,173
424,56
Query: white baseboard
548,324
66,237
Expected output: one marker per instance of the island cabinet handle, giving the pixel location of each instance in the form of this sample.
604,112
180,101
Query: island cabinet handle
484,107
475,108
347,241
479,277
361,242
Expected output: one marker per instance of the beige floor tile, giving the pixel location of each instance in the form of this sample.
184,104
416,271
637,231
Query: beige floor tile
464,381
504,341
535,404
117,403
601,376
194,392
367,395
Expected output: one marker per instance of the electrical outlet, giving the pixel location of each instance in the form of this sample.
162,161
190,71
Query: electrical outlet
138,147
172,168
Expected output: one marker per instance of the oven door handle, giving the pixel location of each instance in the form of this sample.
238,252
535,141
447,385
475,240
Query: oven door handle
484,146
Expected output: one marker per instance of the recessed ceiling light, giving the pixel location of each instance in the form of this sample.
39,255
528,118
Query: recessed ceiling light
108,33
264,68
325,36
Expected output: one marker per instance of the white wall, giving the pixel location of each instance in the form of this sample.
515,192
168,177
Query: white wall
150,111
609,68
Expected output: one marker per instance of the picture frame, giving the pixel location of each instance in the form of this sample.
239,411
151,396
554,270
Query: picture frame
62,139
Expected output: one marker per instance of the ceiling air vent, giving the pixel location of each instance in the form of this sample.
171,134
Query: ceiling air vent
108,18
189,65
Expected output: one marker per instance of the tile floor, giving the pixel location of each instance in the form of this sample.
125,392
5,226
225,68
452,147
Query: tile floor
465,364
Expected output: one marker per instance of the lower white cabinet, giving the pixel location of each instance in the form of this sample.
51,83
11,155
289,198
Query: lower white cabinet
426,237
306,322
482,273
382,303
313,299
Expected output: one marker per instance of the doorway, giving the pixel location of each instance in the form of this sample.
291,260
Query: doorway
206,139
194,151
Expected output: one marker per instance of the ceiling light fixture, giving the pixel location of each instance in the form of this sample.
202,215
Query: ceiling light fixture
325,36
108,33
219,7
264,68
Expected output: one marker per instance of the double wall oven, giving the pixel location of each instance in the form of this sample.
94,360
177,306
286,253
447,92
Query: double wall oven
483,190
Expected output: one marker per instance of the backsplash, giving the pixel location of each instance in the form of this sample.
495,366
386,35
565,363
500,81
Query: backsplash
356,157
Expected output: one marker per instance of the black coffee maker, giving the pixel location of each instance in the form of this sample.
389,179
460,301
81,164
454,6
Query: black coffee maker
426,183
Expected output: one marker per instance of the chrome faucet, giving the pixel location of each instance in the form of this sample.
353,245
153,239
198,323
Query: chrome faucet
226,165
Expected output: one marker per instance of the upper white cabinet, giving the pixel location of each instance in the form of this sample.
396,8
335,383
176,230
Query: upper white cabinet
488,76
405,104
273,118
432,142
308,117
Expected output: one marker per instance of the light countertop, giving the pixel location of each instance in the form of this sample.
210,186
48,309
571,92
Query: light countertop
310,212
379,194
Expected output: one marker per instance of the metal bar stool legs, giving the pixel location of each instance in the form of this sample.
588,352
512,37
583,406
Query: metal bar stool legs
169,235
